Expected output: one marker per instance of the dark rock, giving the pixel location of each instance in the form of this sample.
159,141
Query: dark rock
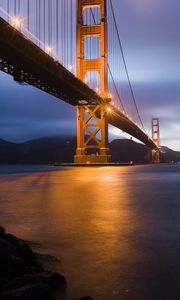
21,275
2,230
14,241
46,258
5,247
85,298
10,266
29,258
28,292
10,263
26,253
53,279
22,280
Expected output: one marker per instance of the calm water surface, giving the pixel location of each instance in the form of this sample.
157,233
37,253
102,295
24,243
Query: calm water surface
116,230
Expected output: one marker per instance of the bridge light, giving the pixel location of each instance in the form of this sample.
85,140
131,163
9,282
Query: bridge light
85,80
109,109
49,50
17,22
70,67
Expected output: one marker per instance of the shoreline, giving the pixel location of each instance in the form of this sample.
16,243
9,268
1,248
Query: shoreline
23,277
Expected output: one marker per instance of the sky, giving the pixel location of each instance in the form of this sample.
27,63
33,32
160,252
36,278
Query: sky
150,36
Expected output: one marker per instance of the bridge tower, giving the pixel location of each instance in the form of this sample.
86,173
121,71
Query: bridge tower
156,139
92,129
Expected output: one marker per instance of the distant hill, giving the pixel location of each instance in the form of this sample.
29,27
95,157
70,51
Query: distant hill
60,149
170,155
124,150
39,151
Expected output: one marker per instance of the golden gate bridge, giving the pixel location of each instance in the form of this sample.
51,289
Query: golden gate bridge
72,50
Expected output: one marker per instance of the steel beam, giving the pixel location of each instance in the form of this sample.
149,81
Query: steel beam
92,135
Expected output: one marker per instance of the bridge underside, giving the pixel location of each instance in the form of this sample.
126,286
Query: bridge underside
27,63
121,121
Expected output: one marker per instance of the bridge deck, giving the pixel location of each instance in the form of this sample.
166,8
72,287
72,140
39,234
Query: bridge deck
26,62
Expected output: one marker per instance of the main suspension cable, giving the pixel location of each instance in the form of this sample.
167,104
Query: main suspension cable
110,71
125,65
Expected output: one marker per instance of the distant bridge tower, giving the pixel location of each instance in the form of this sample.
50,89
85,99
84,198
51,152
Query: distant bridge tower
156,139
92,129
156,131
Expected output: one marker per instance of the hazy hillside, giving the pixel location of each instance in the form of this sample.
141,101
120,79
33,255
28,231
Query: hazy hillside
171,155
45,150
59,149
128,150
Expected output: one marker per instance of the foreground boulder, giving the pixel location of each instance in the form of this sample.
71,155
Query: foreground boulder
22,277
85,298
28,292
2,230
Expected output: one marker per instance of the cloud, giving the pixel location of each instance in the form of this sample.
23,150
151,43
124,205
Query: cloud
149,31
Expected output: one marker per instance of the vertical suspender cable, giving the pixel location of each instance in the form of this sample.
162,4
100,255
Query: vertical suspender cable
49,23
15,7
57,28
67,33
8,9
62,31
39,21
18,7
44,22
36,21
71,35
90,39
64,25
28,15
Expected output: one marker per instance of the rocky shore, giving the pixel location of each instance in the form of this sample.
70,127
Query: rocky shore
22,277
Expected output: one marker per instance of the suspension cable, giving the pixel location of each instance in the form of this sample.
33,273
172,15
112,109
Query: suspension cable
110,71
117,92
125,65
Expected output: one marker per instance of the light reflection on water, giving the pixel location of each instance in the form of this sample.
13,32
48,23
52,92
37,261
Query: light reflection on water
115,230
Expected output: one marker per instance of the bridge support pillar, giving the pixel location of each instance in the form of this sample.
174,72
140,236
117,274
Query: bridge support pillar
156,159
92,135
156,156
92,130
